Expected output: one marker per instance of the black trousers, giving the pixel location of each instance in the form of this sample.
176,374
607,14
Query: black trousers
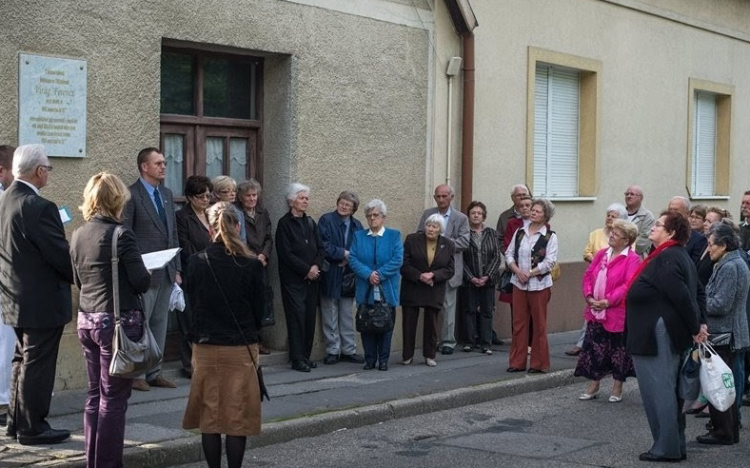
33,379
300,306
185,324
725,423
480,304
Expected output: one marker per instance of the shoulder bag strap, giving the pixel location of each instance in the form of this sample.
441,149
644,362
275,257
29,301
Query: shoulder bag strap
231,311
116,272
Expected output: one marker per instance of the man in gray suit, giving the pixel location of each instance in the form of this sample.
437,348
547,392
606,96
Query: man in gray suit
457,230
150,215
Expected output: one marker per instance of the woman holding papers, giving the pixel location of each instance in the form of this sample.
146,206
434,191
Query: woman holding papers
91,252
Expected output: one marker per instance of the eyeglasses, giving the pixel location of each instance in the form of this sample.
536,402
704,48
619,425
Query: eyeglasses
49,168
658,224
373,215
616,236
694,216
205,196
228,191
632,194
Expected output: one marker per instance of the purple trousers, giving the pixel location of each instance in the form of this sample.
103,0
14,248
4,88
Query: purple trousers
107,398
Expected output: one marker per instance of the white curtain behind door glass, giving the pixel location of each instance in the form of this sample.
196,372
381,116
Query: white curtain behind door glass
214,157
238,159
174,150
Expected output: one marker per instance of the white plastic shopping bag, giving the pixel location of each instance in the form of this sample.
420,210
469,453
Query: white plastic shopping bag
717,381
177,299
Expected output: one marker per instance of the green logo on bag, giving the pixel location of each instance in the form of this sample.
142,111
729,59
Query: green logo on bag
728,380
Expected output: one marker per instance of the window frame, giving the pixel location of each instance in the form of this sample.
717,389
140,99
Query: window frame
722,156
589,71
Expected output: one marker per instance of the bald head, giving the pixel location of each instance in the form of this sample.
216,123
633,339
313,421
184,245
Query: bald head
633,198
678,204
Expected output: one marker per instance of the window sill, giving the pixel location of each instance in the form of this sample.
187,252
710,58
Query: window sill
710,197
571,199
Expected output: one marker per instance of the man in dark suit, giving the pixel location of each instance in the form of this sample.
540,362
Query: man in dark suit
150,215
35,278
457,230
745,225
7,335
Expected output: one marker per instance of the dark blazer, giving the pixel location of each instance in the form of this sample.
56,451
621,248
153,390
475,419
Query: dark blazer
415,293
35,268
696,245
298,247
745,236
91,253
258,232
241,280
140,216
191,234
667,287
331,227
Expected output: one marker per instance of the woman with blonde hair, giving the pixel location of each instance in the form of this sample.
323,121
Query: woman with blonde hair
104,198
226,294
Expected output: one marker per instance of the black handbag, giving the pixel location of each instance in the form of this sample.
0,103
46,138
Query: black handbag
348,281
258,369
504,284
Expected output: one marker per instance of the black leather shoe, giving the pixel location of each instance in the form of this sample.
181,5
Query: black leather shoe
3,419
300,366
514,369
650,457
355,358
746,400
311,364
383,366
535,371
497,341
10,432
711,439
446,350
331,359
50,436
369,366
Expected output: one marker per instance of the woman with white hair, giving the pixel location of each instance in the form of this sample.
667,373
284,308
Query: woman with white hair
428,265
301,253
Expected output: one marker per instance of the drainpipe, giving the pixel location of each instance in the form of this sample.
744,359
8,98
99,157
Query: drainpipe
467,131
454,65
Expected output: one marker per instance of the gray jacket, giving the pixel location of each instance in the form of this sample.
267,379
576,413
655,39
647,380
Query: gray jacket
643,219
726,295
457,230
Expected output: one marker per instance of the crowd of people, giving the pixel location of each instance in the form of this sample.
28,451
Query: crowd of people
654,287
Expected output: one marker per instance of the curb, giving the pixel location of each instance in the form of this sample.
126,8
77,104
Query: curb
188,449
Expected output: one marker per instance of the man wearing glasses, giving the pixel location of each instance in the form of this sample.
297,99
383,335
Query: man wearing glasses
35,279
639,216
150,215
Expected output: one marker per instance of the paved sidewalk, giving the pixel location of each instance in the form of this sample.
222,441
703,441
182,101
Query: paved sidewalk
302,404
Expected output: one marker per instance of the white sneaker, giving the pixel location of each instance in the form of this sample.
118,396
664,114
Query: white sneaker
430,362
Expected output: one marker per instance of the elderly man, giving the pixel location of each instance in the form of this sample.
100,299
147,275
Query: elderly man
36,276
456,229
745,226
518,193
7,335
696,245
639,216
150,215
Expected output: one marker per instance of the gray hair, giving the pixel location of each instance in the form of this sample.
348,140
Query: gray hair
376,204
451,192
621,211
724,235
350,196
685,202
293,189
547,206
249,185
436,219
27,158
519,187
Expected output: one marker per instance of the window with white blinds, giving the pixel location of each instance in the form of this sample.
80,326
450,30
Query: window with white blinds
556,131
704,144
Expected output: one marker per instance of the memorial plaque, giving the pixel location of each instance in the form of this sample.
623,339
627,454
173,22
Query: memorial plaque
52,104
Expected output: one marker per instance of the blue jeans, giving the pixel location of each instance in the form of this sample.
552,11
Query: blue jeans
377,347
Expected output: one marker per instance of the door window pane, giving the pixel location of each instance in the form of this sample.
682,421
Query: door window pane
228,88
214,157
174,153
238,159
177,94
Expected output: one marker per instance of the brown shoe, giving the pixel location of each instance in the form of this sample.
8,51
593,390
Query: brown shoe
575,351
141,385
161,381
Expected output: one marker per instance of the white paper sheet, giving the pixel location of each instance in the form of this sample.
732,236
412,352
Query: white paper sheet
159,259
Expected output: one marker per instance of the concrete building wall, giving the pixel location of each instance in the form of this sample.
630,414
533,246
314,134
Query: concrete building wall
346,96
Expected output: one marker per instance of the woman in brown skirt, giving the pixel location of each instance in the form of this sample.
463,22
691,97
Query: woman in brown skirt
226,293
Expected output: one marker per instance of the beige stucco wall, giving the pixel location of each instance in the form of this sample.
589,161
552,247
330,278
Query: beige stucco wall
346,97
647,61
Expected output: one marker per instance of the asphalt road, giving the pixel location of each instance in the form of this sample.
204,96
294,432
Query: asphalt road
544,429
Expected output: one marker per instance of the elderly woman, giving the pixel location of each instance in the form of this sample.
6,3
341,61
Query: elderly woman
225,189
225,289
604,286
705,264
192,233
375,257
697,218
257,227
337,229
91,252
428,265
664,315
482,260
301,254
726,296
531,256
598,240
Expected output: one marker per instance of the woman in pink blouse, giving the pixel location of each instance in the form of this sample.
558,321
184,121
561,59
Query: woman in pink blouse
605,284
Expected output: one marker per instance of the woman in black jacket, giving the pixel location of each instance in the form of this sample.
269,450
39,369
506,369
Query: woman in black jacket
665,313
225,291
104,197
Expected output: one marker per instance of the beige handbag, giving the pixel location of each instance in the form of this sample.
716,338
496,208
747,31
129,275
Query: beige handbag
130,358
